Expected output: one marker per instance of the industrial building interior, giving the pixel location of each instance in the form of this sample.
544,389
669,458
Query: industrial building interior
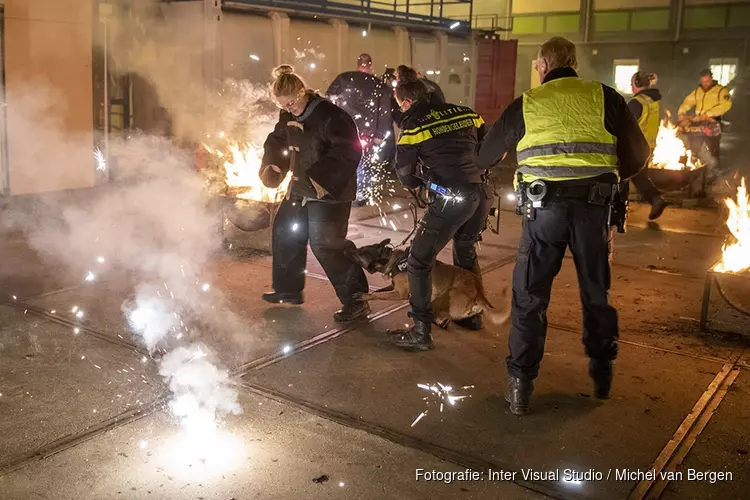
136,236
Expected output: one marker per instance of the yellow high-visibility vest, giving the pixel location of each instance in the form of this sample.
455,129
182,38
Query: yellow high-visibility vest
565,136
649,119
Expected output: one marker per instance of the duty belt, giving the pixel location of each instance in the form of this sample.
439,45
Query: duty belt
535,194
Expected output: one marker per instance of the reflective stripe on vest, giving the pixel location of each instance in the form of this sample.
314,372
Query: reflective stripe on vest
565,136
649,119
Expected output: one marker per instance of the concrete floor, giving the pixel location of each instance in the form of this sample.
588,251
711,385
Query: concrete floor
82,414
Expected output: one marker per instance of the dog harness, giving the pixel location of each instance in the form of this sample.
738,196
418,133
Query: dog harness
400,265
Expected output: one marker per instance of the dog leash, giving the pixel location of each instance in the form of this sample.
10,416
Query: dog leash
413,210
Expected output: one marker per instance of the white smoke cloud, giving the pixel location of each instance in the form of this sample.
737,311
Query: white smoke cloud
201,390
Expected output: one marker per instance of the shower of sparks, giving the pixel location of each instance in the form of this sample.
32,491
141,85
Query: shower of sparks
79,314
295,226
205,287
396,206
100,260
143,444
15,298
393,225
254,57
53,311
144,359
76,331
440,396
286,349
90,276
74,310
101,162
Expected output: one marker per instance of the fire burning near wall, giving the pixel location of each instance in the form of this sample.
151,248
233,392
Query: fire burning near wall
736,254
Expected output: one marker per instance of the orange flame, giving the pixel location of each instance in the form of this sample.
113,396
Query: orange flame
736,255
670,149
242,165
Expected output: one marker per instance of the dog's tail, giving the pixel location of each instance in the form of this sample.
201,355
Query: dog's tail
493,315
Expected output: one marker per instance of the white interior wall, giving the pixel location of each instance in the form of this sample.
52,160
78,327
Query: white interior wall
243,36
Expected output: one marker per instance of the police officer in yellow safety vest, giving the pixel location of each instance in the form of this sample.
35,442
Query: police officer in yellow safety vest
710,101
646,109
575,139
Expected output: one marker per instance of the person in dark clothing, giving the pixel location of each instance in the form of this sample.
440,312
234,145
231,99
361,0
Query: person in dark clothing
317,141
367,100
405,73
442,138
575,139
645,107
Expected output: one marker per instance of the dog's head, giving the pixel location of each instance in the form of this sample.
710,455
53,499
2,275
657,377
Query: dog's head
373,258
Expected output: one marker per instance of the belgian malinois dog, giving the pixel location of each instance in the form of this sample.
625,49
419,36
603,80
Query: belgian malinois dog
456,292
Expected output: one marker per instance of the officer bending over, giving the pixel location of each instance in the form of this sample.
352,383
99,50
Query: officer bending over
442,138
572,138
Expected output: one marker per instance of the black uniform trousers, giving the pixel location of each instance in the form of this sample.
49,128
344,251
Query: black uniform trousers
562,223
324,225
644,186
462,221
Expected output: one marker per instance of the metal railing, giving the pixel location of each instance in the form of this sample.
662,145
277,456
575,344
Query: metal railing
424,13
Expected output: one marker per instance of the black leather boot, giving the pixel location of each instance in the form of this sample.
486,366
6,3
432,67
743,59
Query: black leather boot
658,204
470,323
518,395
351,312
283,298
416,338
601,372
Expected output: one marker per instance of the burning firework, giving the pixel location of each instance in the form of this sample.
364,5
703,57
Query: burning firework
241,165
670,152
736,255
440,396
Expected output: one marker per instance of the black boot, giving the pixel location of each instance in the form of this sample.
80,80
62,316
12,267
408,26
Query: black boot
601,372
352,311
658,204
470,323
416,338
283,298
518,395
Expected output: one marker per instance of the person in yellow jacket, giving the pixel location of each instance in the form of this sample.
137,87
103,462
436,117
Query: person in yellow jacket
575,140
711,101
645,107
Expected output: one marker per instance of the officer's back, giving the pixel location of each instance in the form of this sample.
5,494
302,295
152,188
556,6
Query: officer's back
573,138
445,136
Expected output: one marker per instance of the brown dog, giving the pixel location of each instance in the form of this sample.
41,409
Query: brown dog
456,292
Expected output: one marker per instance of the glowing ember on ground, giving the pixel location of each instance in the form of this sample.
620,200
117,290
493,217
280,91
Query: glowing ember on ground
242,166
736,255
670,150
440,396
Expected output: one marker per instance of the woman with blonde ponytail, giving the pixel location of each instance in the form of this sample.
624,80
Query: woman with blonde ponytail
318,143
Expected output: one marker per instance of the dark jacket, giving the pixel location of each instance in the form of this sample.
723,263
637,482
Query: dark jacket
367,100
636,107
329,152
633,151
443,138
